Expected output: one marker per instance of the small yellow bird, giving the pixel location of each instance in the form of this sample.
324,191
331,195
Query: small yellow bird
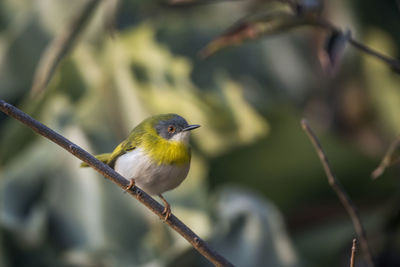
155,156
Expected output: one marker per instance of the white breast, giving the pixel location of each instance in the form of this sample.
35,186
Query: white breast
152,178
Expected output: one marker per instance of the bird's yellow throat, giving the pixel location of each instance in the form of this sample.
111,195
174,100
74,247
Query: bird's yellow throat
166,151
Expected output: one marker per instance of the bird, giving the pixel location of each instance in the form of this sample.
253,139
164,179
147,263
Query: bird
155,156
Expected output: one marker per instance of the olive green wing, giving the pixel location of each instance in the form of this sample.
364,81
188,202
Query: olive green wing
124,147
102,157
129,144
110,158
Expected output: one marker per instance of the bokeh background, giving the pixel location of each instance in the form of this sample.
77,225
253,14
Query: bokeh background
256,189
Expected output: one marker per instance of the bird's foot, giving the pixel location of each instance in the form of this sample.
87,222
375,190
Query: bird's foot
167,208
167,212
130,185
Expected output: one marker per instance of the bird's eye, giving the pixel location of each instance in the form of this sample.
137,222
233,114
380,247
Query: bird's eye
171,129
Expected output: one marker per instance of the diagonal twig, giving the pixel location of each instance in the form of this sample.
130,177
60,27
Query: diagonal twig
314,20
61,45
353,252
387,160
395,64
341,193
200,245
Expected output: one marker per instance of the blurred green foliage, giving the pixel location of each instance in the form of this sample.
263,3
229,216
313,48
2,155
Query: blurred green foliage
251,159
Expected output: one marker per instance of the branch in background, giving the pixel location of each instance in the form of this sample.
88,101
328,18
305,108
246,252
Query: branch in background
60,46
200,245
254,27
353,252
389,159
341,193
395,64
302,13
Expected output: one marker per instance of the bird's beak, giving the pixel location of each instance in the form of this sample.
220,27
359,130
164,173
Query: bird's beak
191,127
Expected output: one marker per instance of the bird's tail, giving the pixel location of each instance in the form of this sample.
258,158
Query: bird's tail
102,157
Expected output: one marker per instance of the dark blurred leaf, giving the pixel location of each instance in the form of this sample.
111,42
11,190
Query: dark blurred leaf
332,54
255,27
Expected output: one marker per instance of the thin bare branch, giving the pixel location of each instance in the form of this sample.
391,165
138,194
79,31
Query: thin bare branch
388,159
61,45
353,252
200,245
313,21
395,64
341,193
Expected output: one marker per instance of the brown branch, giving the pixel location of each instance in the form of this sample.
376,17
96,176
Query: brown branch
314,20
341,193
387,160
353,252
200,245
61,45
395,64
321,22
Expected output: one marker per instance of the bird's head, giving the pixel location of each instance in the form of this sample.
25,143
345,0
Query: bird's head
172,127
